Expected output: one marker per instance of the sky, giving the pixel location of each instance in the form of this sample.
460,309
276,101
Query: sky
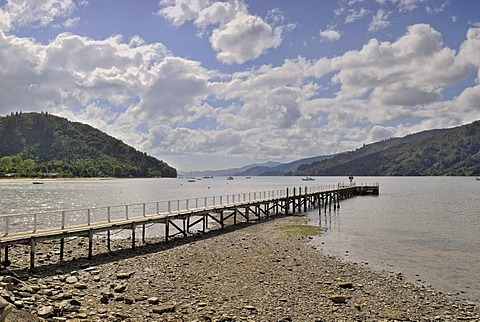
206,85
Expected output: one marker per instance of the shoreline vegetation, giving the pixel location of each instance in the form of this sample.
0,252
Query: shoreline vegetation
266,271
4,179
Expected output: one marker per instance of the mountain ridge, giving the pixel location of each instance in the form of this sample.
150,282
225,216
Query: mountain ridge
40,144
453,151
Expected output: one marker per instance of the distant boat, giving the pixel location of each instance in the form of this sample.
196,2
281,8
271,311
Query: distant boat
248,177
191,178
229,178
477,178
308,179
37,182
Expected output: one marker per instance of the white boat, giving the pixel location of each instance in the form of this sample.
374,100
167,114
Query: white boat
308,179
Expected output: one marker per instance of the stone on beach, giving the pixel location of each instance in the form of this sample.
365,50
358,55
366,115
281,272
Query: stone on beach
254,273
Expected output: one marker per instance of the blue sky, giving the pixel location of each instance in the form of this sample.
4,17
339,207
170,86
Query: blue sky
207,85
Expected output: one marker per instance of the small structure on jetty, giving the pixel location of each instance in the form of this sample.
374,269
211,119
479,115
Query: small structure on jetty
177,217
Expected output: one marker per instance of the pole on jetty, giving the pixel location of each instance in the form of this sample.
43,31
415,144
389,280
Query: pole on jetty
62,248
305,200
133,235
90,244
286,204
167,228
108,241
294,206
32,254
6,256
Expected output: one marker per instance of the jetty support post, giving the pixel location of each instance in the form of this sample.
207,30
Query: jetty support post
293,199
6,254
286,204
330,203
167,228
325,202
32,254
133,235
108,241
90,244
62,248
306,198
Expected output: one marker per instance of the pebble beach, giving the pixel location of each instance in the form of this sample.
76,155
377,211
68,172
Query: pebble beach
266,271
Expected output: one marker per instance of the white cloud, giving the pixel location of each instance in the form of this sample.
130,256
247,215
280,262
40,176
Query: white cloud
402,5
71,22
405,74
380,20
180,11
174,93
19,13
330,34
219,13
237,36
437,8
378,133
355,15
470,48
407,5
244,38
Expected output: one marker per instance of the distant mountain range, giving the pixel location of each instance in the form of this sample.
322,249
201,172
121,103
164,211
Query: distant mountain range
453,151
263,169
43,145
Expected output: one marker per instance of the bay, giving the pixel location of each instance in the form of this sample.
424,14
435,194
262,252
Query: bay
425,227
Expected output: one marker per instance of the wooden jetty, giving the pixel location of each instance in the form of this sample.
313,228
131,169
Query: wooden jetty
176,217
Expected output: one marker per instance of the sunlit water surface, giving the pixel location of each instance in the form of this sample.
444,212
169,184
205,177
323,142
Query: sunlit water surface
428,228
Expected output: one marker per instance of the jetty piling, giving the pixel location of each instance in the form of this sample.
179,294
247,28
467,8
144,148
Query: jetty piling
178,217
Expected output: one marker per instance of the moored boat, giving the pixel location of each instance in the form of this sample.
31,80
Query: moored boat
308,178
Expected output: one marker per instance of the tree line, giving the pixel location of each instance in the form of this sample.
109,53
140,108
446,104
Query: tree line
43,145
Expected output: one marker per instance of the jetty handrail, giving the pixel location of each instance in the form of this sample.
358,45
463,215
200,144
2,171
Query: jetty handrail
25,223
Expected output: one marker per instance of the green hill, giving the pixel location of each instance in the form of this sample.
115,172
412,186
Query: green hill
454,151
43,145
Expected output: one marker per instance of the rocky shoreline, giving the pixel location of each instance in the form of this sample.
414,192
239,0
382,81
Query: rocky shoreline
250,272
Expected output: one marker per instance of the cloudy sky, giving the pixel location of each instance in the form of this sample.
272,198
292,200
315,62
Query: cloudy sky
207,84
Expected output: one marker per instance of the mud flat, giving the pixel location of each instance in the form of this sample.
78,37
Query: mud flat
258,272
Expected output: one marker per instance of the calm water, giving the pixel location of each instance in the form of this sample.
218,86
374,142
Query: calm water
428,228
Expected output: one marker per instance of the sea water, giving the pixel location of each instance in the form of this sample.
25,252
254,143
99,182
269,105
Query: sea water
427,228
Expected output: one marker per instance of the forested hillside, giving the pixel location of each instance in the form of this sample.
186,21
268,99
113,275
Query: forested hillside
453,152
43,145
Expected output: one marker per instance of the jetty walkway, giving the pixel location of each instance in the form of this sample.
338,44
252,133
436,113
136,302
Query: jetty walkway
172,218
